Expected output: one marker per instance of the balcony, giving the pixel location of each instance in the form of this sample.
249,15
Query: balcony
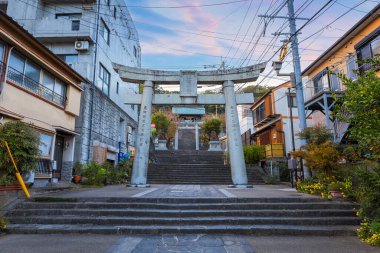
60,30
27,83
314,93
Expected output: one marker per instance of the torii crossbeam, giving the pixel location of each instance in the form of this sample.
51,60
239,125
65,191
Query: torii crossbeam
188,95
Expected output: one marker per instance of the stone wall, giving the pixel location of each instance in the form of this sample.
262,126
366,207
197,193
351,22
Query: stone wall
109,123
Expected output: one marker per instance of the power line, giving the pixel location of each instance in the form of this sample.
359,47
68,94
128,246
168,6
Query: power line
183,6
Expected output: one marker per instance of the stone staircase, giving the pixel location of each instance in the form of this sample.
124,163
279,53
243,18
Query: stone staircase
194,167
250,216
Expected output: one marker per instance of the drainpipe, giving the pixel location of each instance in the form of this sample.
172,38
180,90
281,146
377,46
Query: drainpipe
93,81
4,77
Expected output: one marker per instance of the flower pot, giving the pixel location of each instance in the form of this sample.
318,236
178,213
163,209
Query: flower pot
336,194
77,179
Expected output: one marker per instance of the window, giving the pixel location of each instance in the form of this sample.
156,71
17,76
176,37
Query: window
75,25
247,113
32,71
135,51
292,100
29,75
68,16
1,51
104,31
117,88
45,144
114,12
105,78
368,50
3,7
351,67
107,2
259,113
70,59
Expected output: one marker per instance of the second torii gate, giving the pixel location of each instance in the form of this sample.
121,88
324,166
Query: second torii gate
188,95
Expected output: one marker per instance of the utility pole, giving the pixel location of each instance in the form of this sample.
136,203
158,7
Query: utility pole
297,68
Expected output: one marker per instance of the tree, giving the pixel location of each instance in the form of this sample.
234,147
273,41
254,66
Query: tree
24,145
316,135
162,124
211,128
257,90
360,107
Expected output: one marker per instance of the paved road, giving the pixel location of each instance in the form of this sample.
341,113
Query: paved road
179,244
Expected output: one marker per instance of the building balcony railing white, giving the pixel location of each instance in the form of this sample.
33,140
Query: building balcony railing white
311,90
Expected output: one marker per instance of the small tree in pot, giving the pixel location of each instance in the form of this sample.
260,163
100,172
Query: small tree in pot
211,129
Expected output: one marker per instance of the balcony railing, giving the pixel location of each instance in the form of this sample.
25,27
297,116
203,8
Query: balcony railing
311,91
29,84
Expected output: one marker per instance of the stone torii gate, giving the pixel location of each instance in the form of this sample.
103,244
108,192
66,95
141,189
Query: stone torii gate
188,95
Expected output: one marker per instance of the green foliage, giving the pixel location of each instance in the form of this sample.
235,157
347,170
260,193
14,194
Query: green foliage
369,232
366,190
316,186
120,173
162,123
284,172
316,135
360,106
257,90
95,174
253,154
270,180
211,128
3,224
323,158
98,175
24,145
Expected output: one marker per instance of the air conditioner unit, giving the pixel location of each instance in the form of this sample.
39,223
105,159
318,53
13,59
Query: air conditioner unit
82,45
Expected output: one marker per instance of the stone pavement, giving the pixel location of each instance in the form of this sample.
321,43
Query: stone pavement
180,244
182,191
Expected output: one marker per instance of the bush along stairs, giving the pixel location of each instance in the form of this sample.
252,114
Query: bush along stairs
249,216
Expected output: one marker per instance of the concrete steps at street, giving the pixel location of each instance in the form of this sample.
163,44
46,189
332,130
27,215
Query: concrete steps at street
261,216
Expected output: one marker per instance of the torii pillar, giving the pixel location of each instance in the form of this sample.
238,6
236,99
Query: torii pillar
188,81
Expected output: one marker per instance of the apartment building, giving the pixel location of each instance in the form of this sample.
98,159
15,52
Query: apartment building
90,35
275,118
40,89
322,85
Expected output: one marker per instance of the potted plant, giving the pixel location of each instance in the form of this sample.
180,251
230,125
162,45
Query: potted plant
77,172
335,189
211,129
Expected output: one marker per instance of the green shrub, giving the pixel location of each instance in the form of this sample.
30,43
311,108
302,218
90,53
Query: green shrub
95,174
369,232
270,180
253,154
3,224
162,123
118,174
24,145
366,190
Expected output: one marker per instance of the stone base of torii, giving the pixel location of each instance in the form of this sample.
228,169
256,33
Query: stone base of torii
188,81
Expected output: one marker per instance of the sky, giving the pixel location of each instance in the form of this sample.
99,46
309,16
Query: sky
201,37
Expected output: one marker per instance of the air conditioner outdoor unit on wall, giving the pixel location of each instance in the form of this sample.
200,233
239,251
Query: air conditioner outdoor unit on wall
82,45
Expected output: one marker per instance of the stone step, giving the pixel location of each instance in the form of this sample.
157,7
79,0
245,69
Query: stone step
161,200
211,229
184,206
183,221
131,212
